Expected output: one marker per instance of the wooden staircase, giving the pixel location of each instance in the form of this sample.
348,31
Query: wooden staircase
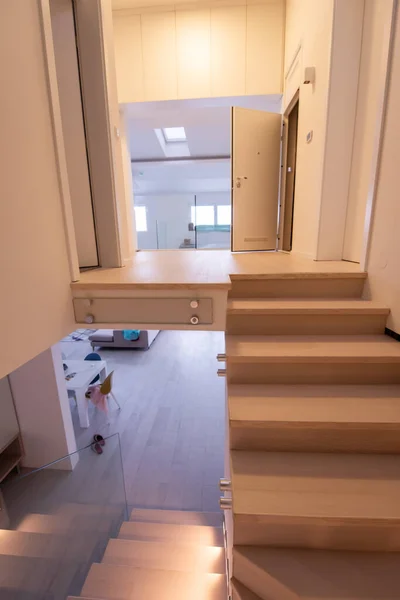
157,554
313,389
46,556
162,554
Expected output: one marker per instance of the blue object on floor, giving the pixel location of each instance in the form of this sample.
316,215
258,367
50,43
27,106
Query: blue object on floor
93,356
131,335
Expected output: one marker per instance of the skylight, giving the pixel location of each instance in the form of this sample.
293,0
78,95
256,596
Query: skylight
174,134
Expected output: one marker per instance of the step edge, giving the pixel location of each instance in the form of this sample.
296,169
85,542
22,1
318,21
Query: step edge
298,424
311,520
148,571
308,311
299,275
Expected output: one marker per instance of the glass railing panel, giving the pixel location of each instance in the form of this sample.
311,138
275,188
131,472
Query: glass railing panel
61,518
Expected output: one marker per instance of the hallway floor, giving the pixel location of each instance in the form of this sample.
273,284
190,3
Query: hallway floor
172,420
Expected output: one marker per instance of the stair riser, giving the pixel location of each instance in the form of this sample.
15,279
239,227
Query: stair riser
338,536
169,564
314,373
147,532
298,288
305,324
377,440
176,517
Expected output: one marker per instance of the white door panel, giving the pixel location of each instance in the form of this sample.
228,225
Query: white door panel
256,148
95,44
63,29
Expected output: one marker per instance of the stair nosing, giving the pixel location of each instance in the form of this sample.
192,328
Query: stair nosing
306,306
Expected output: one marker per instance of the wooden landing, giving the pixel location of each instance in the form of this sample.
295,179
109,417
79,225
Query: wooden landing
177,269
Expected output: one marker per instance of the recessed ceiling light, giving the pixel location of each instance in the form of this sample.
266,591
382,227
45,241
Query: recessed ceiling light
174,134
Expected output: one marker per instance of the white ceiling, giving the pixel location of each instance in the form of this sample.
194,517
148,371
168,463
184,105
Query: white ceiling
207,131
207,127
182,177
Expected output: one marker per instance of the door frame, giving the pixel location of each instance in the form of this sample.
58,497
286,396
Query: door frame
384,76
282,196
107,214
49,54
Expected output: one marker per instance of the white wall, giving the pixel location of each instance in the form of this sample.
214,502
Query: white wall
130,236
308,28
168,217
199,52
377,16
36,306
42,406
383,264
341,115
327,36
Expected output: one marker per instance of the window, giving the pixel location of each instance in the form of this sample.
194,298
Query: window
224,214
141,218
174,134
203,215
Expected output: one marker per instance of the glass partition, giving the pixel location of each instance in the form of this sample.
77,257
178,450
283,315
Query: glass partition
61,517
183,221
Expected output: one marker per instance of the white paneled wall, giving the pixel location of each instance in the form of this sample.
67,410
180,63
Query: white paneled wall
200,52
193,53
264,54
228,51
159,56
129,57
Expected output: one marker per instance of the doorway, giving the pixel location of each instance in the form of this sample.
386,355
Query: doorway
291,121
180,160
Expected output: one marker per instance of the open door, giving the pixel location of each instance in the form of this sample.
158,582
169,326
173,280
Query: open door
95,43
255,156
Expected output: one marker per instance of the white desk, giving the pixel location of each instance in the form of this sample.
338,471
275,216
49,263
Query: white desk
85,371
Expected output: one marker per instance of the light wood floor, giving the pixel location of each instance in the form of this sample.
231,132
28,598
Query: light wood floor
154,269
172,419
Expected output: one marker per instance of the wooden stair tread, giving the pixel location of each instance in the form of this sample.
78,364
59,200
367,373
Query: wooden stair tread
39,523
36,578
47,545
303,306
77,509
165,556
192,534
281,486
283,574
178,517
303,348
269,405
116,582
241,592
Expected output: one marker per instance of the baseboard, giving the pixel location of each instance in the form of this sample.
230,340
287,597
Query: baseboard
393,334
